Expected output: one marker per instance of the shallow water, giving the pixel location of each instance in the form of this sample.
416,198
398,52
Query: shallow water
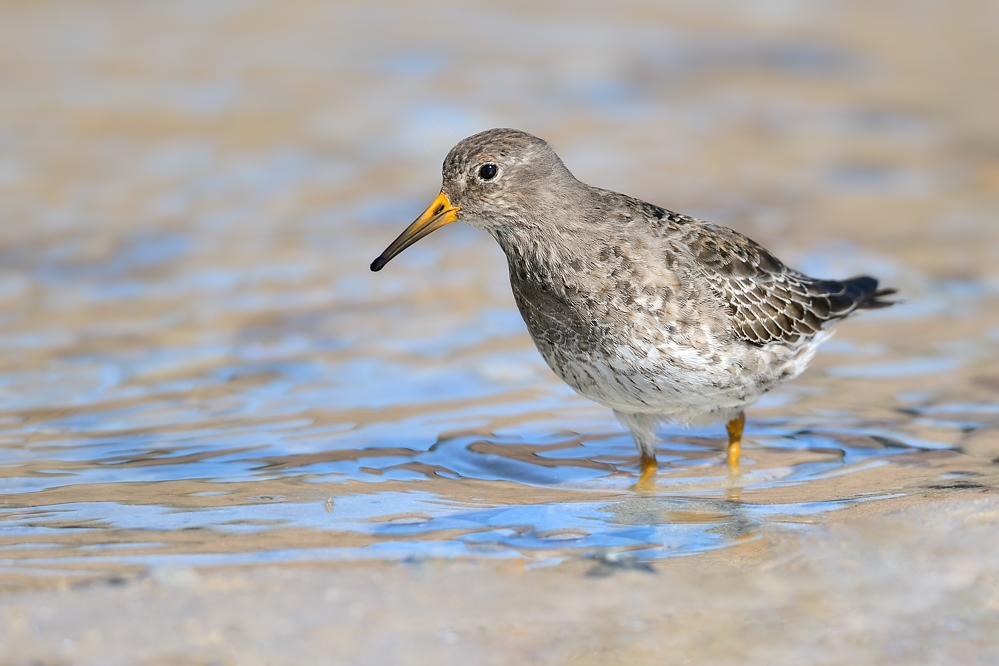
197,367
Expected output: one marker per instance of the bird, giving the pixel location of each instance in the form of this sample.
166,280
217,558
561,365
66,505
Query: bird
659,316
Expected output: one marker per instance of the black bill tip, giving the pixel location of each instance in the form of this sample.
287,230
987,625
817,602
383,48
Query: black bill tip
379,263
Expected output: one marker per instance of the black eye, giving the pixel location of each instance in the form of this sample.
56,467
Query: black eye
488,171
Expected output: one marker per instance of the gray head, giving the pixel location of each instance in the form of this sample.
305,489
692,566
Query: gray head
493,180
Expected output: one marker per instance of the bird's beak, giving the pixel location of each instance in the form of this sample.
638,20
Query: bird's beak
437,214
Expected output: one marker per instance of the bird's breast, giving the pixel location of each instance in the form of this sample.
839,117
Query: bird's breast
556,317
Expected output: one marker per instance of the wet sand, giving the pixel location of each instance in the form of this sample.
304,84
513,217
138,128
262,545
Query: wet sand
223,440
888,588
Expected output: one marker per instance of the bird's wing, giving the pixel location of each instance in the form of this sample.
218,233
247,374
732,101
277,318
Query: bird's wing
767,301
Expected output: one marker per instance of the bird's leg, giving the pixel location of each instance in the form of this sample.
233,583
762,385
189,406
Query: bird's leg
648,466
643,429
734,428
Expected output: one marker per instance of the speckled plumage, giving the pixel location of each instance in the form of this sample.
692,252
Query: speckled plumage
657,315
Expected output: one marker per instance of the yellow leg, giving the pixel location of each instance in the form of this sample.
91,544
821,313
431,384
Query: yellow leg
734,428
648,466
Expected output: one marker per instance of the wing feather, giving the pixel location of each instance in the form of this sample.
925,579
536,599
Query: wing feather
767,301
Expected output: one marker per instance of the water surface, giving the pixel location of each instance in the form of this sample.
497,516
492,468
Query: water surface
197,367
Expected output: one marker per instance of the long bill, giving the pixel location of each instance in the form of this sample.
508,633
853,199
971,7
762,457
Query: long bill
438,214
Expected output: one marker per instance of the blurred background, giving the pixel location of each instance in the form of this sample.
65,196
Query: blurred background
198,372
191,194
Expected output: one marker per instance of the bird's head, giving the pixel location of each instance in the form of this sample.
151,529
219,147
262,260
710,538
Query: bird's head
495,180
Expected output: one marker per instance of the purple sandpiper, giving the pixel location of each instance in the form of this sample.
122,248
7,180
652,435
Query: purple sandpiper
656,315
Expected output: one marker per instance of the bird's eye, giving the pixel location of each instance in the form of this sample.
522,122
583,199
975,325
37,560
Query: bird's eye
488,171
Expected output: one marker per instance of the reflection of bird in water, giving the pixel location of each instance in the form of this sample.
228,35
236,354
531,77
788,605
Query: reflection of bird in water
657,315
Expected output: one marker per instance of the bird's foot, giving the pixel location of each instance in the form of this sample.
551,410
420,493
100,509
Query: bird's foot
734,428
647,479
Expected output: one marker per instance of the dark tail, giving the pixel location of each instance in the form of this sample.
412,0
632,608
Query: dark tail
868,296
875,302
863,293
858,293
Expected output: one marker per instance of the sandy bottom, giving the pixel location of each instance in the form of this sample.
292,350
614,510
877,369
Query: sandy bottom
915,585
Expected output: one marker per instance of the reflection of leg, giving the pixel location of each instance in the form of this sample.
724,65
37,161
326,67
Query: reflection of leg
643,429
733,492
734,428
